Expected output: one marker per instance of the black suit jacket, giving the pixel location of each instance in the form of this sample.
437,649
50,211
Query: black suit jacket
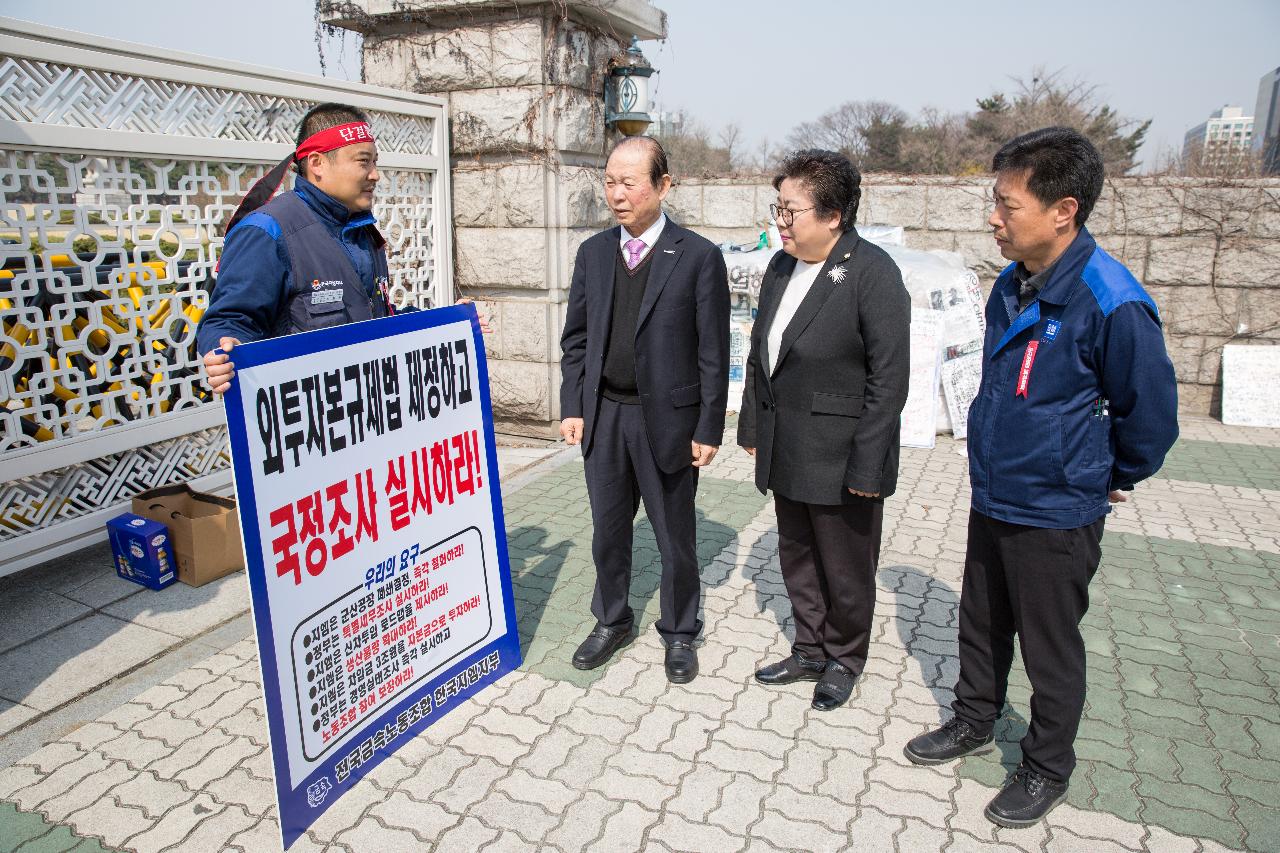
682,341
828,418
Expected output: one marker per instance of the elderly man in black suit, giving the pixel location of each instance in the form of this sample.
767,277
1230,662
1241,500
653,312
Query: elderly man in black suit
825,386
645,372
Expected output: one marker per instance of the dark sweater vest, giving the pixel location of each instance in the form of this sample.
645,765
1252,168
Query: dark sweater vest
620,358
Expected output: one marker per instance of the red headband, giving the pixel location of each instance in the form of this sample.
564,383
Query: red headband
333,138
317,143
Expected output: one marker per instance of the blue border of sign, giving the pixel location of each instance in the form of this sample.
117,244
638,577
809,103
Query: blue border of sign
296,815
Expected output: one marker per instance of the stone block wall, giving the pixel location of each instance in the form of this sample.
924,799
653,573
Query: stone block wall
524,86
1209,254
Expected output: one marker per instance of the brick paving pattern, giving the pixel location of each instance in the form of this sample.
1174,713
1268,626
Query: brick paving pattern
1179,748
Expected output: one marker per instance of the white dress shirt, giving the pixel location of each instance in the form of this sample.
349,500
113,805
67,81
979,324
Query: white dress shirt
802,278
649,237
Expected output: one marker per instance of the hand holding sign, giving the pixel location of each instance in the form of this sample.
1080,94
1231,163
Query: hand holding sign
218,368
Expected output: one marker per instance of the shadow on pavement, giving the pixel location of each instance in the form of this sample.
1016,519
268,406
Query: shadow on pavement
927,616
535,567
553,575
713,537
72,625
771,590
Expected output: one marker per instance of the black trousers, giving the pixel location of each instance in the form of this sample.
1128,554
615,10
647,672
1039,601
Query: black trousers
829,556
621,471
1033,582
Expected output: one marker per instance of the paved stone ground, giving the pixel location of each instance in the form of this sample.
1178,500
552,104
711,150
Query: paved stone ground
71,627
1179,748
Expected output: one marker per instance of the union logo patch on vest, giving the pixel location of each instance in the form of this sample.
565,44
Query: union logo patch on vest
325,292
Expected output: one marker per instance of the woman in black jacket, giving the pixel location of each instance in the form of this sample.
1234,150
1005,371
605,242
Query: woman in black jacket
825,385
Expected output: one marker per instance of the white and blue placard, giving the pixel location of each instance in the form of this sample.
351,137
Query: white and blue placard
374,540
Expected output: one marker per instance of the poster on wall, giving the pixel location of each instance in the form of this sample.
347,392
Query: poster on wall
961,377
946,343
367,482
1250,374
919,415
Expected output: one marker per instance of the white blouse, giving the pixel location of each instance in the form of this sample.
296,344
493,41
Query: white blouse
802,278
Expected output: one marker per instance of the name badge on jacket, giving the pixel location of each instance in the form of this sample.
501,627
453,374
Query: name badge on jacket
325,292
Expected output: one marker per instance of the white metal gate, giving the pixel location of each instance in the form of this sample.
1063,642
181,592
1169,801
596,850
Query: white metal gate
118,163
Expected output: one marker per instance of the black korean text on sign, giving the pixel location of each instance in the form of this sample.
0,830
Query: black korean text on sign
312,391
438,376
391,392
333,411
355,404
267,407
372,371
373,643
324,413
291,413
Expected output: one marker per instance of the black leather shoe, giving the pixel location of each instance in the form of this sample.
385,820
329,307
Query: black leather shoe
1025,799
954,739
834,688
681,662
790,670
600,645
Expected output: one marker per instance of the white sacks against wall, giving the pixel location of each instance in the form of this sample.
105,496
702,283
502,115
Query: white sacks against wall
948,326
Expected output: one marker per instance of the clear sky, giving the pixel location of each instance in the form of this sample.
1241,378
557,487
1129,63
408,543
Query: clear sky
770,65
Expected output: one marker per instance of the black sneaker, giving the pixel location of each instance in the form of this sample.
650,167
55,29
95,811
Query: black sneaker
954,739
1025,799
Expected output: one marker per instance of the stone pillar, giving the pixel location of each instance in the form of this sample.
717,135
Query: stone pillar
524,82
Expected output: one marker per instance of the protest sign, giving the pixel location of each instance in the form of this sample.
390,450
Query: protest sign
374,541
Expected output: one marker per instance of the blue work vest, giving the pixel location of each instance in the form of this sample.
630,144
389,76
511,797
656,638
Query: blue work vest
324,288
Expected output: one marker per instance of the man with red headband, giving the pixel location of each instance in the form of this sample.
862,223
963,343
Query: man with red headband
307,259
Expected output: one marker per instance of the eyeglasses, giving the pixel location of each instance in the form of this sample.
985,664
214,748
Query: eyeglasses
785,215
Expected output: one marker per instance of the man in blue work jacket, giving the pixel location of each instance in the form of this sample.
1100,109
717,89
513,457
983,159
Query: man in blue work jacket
307,259
1078,402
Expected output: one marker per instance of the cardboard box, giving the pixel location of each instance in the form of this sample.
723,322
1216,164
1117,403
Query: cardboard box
204,530
142,550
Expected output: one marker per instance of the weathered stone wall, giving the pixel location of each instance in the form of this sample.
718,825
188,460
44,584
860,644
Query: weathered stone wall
524,84
524,81
1208,254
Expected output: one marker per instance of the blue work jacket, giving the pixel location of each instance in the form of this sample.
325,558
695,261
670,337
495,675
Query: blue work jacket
256,277
1078,396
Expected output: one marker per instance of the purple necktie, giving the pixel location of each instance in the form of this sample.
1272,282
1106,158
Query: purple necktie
634,247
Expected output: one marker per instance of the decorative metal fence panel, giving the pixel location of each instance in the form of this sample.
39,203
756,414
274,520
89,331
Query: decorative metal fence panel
118,164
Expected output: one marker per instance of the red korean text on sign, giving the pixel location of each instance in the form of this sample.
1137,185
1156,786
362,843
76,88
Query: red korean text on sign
303,523
323,526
